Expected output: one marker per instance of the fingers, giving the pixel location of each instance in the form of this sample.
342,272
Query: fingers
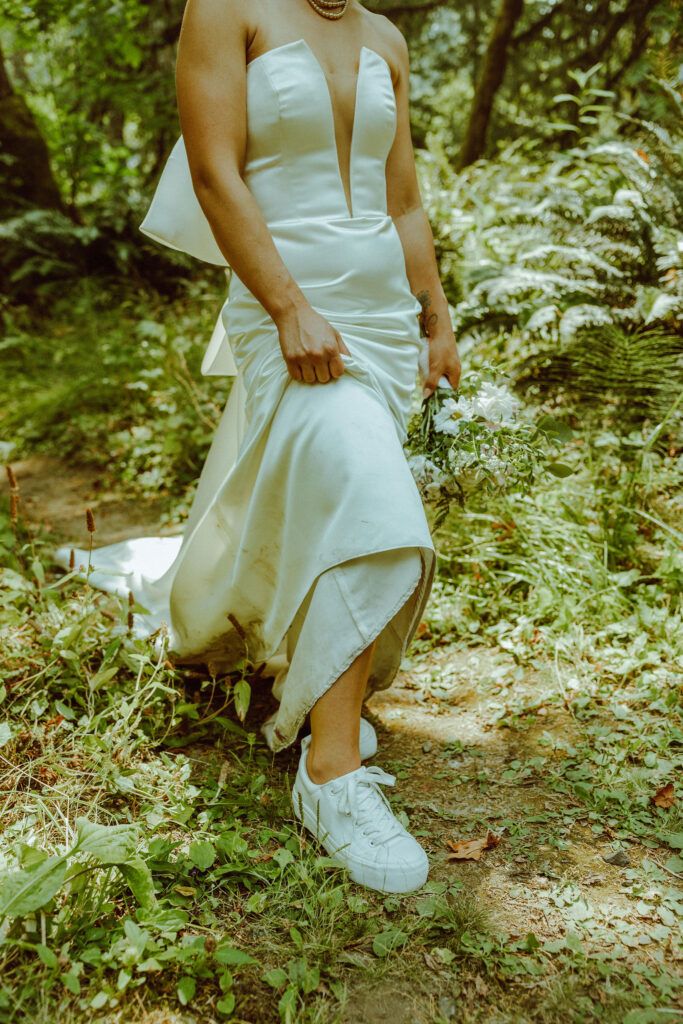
431,383
311,359
324,364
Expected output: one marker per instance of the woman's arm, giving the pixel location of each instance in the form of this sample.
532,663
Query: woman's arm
212,97
404,205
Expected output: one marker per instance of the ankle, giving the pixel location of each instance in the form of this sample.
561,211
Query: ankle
321,769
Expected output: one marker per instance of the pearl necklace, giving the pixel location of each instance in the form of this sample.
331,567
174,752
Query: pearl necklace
329,8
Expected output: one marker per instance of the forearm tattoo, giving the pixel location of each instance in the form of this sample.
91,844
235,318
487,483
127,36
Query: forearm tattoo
427,318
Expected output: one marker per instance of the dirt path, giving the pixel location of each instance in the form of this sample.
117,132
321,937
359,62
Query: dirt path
55,495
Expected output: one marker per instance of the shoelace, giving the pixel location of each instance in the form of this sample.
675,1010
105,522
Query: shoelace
369,808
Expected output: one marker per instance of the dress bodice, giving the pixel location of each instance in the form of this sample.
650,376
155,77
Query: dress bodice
291,161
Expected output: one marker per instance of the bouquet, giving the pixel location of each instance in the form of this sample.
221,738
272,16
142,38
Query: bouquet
477,438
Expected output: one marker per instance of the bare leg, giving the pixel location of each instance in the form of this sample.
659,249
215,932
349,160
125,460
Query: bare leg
335,722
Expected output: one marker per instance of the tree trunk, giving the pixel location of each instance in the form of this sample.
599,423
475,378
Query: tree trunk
489,80
26,178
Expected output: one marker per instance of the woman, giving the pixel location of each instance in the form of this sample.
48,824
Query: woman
307,539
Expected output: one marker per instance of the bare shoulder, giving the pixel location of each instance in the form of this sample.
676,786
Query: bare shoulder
217,20
392,43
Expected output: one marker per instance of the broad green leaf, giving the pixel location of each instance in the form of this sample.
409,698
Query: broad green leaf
283,857
388,940
241,693
275,978
556,428
5,733
140,882
46,955
31,857
226,1005
233,957
137,937
72,983
108,844
559,469
24,891
202,853
102,676
186,989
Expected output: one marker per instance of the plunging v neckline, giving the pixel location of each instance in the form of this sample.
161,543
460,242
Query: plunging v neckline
330,104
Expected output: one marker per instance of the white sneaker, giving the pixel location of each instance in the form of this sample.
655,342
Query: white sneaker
352,819
367,740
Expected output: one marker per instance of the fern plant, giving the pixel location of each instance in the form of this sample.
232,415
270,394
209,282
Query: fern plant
573,263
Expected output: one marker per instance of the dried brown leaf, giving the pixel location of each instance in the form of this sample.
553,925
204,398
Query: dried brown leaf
664,797
472,849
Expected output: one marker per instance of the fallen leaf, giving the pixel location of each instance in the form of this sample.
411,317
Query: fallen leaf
185,890
472,849
423,630
664,797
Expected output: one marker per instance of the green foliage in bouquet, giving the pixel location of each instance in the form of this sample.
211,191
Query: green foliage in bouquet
477,438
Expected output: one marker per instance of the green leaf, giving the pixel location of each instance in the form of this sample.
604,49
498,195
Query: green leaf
283,857
241,693
137,937
559,469
565,97
140,882
275,978
24,891
555,428
233,957
226,1005
108,844
46,955
387,941
31,857
186,989
5,733
71,982
674,840
103,675
202,853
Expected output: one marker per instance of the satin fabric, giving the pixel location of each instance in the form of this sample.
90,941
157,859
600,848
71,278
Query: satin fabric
306,513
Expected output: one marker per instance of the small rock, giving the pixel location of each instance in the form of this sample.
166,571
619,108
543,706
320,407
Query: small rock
426,747
447,1007
618,857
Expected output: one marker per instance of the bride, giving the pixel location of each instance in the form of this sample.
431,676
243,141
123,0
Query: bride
307,540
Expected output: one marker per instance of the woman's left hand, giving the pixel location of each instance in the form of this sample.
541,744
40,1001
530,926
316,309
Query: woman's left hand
444,361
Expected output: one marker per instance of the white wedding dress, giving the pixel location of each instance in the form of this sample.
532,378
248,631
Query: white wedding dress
307,527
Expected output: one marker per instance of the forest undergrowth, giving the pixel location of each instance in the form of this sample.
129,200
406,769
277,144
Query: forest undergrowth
152,868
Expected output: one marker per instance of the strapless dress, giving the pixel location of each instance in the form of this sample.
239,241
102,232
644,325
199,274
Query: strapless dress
307,537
